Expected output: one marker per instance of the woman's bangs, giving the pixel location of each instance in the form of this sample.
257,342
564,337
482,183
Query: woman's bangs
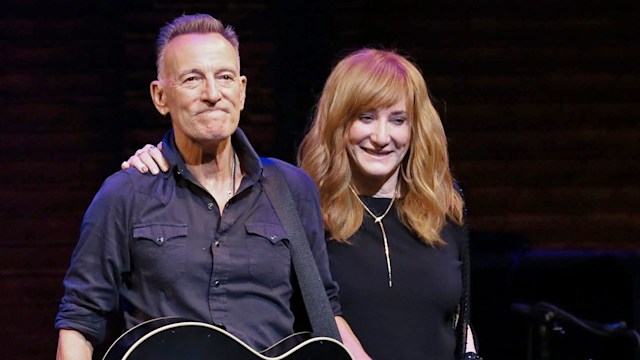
381,90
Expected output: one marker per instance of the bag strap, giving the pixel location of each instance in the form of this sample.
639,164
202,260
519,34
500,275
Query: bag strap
313,292
465,300
463,321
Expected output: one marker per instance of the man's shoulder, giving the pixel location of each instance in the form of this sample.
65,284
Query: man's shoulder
285,168
129,182
301,185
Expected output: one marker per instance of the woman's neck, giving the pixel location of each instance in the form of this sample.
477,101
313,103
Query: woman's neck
380,188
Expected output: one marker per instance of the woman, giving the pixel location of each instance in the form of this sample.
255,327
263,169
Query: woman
393,214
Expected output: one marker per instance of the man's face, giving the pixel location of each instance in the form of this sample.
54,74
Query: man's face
201,88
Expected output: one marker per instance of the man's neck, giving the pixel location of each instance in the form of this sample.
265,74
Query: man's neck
215,166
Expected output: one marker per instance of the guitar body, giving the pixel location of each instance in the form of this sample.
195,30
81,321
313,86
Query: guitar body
179,339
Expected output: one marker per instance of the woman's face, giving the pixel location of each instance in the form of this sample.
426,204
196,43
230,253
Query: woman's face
378,142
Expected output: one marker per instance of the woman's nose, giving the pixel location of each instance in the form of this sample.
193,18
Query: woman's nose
380,135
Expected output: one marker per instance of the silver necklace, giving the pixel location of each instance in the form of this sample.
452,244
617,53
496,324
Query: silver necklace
233,173
378,220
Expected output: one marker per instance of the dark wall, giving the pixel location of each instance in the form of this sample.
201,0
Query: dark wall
539,100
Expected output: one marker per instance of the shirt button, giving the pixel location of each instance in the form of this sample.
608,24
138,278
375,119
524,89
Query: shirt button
216,283
210,206
217,244
160,239
273,237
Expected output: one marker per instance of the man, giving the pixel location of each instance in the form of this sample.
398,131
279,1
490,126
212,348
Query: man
202,241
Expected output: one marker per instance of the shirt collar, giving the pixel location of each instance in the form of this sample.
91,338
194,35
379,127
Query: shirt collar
249,160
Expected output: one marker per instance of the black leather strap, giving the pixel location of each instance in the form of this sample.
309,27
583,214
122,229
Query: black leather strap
465,301
313,292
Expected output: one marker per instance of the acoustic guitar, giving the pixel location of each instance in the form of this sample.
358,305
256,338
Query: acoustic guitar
174,338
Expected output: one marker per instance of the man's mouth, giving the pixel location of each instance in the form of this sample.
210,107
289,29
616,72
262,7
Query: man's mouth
207,110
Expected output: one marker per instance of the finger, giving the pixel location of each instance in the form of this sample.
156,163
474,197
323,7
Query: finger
125,165
159,146
148,147
159,159
138,164
144,149
147,160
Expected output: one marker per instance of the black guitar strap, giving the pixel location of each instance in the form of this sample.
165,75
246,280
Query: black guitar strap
313,292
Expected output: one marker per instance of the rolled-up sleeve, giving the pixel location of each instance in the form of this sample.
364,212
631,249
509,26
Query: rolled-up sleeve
91,284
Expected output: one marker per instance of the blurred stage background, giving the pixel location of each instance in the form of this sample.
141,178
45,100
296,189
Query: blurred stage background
539,100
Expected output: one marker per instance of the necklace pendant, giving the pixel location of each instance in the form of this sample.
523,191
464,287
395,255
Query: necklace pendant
378,220
233,173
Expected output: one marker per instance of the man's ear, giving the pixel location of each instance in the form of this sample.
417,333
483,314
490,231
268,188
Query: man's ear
243,82
158,97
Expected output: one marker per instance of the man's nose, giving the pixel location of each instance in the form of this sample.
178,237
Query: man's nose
211,92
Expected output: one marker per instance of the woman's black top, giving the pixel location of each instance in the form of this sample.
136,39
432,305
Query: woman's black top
413,319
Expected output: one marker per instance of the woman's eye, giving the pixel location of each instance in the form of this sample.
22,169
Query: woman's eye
366,117
399,120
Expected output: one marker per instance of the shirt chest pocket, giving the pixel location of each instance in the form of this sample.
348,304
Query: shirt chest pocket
159,252
269,255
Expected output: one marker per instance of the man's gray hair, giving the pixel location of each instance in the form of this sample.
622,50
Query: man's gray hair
192,24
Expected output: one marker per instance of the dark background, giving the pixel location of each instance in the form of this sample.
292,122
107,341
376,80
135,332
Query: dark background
538,98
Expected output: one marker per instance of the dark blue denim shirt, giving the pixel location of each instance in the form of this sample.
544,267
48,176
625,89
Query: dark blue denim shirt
156,246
